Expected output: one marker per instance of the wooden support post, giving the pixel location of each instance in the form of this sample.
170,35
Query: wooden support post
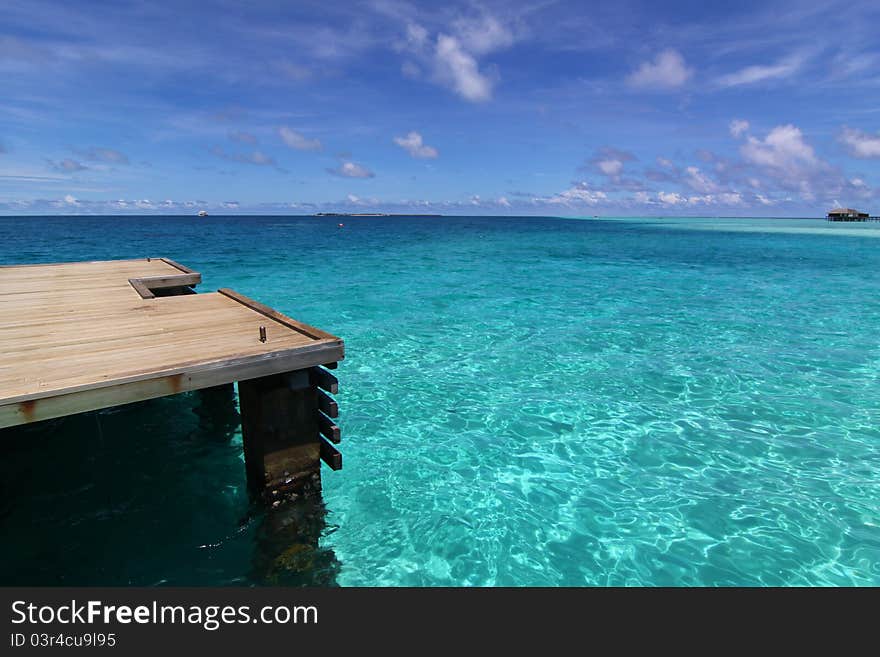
282,444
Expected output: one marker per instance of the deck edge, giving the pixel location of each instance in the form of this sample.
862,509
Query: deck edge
58,403
281,318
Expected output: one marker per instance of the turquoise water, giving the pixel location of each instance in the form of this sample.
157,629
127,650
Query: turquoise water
525,401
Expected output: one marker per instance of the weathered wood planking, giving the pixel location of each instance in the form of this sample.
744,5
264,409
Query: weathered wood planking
87,335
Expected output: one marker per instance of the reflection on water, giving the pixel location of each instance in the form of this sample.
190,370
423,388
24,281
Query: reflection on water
148,493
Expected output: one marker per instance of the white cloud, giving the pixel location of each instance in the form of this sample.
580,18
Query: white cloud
610,167
698,181
580,194
460,70
451,59
502,201
416,36
413,144
752,74
790,163
860,144
70,200
666,71
731,198
351,170
670,198
483,35
783,148
610,161
296,140
738,127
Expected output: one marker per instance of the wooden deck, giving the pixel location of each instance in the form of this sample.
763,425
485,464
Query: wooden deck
88,335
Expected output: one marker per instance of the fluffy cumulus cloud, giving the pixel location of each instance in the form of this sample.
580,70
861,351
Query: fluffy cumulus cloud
483,34
784,159
778,170
610,161
460,71
298,141
860,144
670,198
413,144
451,57
666,71
348,169
579,194
784,148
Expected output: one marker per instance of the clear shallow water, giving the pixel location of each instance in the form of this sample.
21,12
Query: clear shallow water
524,402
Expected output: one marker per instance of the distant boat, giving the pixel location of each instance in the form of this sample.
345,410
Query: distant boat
203,213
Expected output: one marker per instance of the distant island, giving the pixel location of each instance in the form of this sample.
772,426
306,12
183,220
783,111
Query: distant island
370,214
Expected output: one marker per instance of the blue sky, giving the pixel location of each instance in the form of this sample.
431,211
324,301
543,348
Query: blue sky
539,107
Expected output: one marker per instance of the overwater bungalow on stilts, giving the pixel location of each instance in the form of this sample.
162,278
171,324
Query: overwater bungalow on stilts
849,214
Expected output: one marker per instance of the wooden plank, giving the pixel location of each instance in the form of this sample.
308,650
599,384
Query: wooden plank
329,430
141,289
310,331
324,380
229,368
77,262
79,336
177,265
157,282
327,404
140,388
330,455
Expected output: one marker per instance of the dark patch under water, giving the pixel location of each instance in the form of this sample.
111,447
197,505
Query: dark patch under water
148,493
